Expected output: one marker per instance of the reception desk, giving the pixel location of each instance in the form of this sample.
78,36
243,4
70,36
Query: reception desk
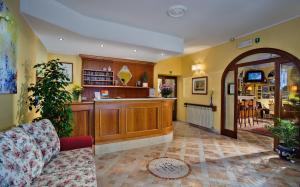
123,119
117,120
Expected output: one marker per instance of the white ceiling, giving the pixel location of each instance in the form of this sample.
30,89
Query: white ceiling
144,23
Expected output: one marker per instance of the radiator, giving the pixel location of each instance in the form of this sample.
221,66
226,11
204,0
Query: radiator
200,115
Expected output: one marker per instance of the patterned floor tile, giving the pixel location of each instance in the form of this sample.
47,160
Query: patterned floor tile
214,160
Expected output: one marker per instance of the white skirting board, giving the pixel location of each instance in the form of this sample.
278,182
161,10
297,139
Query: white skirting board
132,144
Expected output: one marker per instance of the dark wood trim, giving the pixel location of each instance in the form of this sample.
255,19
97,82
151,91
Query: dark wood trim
229,133
214,108
235,114
164,77
92,57
205,77
265,61
285,57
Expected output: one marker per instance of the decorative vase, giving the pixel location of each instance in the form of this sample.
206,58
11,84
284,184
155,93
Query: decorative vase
285,153
76,97
165,96
211,101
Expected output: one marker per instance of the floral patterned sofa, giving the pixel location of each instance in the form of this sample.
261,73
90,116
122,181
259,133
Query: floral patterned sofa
33,155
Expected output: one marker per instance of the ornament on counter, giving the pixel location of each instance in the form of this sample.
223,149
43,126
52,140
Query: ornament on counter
109,68
104,69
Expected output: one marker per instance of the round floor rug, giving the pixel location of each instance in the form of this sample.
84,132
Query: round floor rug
168,168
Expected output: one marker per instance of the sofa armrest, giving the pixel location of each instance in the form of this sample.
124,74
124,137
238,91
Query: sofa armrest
78,142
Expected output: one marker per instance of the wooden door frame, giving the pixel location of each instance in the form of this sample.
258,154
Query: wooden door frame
175,103
284,57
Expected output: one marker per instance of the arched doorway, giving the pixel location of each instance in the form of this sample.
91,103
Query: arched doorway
285,64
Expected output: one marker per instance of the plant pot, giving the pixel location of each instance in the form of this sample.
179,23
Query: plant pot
165,96
76,97
286,153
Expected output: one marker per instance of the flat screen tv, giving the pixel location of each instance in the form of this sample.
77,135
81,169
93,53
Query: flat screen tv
254,76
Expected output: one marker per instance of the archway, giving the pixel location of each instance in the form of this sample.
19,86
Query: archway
229,104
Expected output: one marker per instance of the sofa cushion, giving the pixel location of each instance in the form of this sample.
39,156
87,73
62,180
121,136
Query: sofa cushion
69,168
71,160
45,136
20,158
79,177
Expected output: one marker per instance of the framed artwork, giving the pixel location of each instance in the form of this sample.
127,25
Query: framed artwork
68,70
230,89
265,89
199,85
8,43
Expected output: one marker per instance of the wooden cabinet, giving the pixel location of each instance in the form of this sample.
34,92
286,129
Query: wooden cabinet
142,118
109,121
95,79
167,113
83,119
120,120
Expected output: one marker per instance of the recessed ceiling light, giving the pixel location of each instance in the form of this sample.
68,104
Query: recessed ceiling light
177,11
61,38
162,54
101,45
135,50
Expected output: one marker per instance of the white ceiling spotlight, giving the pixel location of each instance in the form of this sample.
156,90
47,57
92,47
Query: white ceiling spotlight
101,45
162,54
134,50
61,38
177,11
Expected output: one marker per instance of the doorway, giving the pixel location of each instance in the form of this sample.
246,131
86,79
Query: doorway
256,97
172,81
285,88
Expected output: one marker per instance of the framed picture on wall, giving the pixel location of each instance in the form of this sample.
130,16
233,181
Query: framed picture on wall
68,70
230,89
200,85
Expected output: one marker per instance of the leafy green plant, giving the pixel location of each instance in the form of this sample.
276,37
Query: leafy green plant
50,98
144,77
76,91
286,131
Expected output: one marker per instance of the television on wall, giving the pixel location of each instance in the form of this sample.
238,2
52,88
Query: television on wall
255,76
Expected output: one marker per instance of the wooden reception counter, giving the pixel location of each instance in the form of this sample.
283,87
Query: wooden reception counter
122,119
114,120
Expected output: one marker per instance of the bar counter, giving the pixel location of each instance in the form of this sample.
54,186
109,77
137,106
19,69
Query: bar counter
123,119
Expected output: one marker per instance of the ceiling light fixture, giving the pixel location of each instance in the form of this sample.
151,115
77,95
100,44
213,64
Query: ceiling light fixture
135,50
177,11
61,38
162,54
101,45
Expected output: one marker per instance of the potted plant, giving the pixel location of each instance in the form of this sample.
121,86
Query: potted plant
49,97
166,90
144,79
76,92
287,132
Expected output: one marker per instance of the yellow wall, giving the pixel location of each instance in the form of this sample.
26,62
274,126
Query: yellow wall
77,64
13,108
284,36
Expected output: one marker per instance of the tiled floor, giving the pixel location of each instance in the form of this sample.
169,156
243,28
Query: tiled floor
215,161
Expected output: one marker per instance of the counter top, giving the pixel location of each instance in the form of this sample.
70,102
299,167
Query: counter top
135,99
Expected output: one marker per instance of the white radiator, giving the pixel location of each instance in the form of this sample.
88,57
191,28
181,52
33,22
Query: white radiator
200,115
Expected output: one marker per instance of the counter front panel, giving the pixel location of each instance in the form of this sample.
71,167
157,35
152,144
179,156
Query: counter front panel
130,119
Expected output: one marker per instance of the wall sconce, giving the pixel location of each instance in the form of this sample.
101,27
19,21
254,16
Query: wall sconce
249,88
294,88
197,67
